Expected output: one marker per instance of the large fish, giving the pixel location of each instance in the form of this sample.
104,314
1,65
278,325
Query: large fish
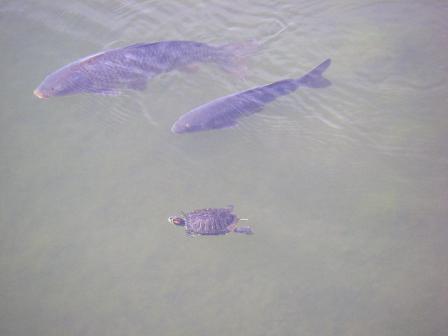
112,71
225,111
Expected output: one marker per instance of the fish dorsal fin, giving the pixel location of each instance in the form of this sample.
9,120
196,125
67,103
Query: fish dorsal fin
139,45
91,58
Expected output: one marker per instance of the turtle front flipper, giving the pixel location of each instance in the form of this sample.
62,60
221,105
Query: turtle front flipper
190,234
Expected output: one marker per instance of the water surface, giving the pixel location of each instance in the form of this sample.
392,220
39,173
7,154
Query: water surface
345,187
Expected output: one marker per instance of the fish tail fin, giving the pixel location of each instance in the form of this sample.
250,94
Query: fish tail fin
233,56
314,78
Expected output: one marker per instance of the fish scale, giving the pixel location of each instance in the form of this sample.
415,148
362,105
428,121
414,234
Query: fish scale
112,71
225,111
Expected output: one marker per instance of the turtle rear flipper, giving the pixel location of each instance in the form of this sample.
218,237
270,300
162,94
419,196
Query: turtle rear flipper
243,229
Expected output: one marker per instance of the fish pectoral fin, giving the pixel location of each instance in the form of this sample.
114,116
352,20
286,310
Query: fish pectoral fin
224,124
106,92
190,68
139,84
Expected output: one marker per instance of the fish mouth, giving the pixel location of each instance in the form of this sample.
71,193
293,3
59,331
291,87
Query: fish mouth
39,94
176,129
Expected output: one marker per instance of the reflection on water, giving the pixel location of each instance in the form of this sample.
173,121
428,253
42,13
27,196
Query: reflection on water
345,186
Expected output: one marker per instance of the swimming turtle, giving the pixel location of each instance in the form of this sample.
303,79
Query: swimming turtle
211,221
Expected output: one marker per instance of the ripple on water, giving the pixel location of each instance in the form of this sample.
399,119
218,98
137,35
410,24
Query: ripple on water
308,30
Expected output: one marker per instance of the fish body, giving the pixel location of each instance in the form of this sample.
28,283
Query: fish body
112,71
224,112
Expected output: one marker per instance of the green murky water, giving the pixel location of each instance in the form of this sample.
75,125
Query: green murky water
345,187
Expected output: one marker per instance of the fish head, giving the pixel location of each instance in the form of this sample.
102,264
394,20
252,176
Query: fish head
63,82
188,124
181,127
210,116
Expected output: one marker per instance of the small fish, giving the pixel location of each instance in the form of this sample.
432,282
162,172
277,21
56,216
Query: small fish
131,67
224,112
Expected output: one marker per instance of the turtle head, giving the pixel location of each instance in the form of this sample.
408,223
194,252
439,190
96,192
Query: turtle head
176,220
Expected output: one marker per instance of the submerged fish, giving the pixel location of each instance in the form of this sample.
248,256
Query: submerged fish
225,111
112,71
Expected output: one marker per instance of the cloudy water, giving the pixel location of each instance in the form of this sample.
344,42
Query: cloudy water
345,187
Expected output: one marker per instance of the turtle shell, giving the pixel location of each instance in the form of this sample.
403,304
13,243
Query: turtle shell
210,221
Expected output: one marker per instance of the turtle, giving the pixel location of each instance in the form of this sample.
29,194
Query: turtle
210,221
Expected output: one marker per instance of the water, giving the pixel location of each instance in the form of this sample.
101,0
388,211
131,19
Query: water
345,187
